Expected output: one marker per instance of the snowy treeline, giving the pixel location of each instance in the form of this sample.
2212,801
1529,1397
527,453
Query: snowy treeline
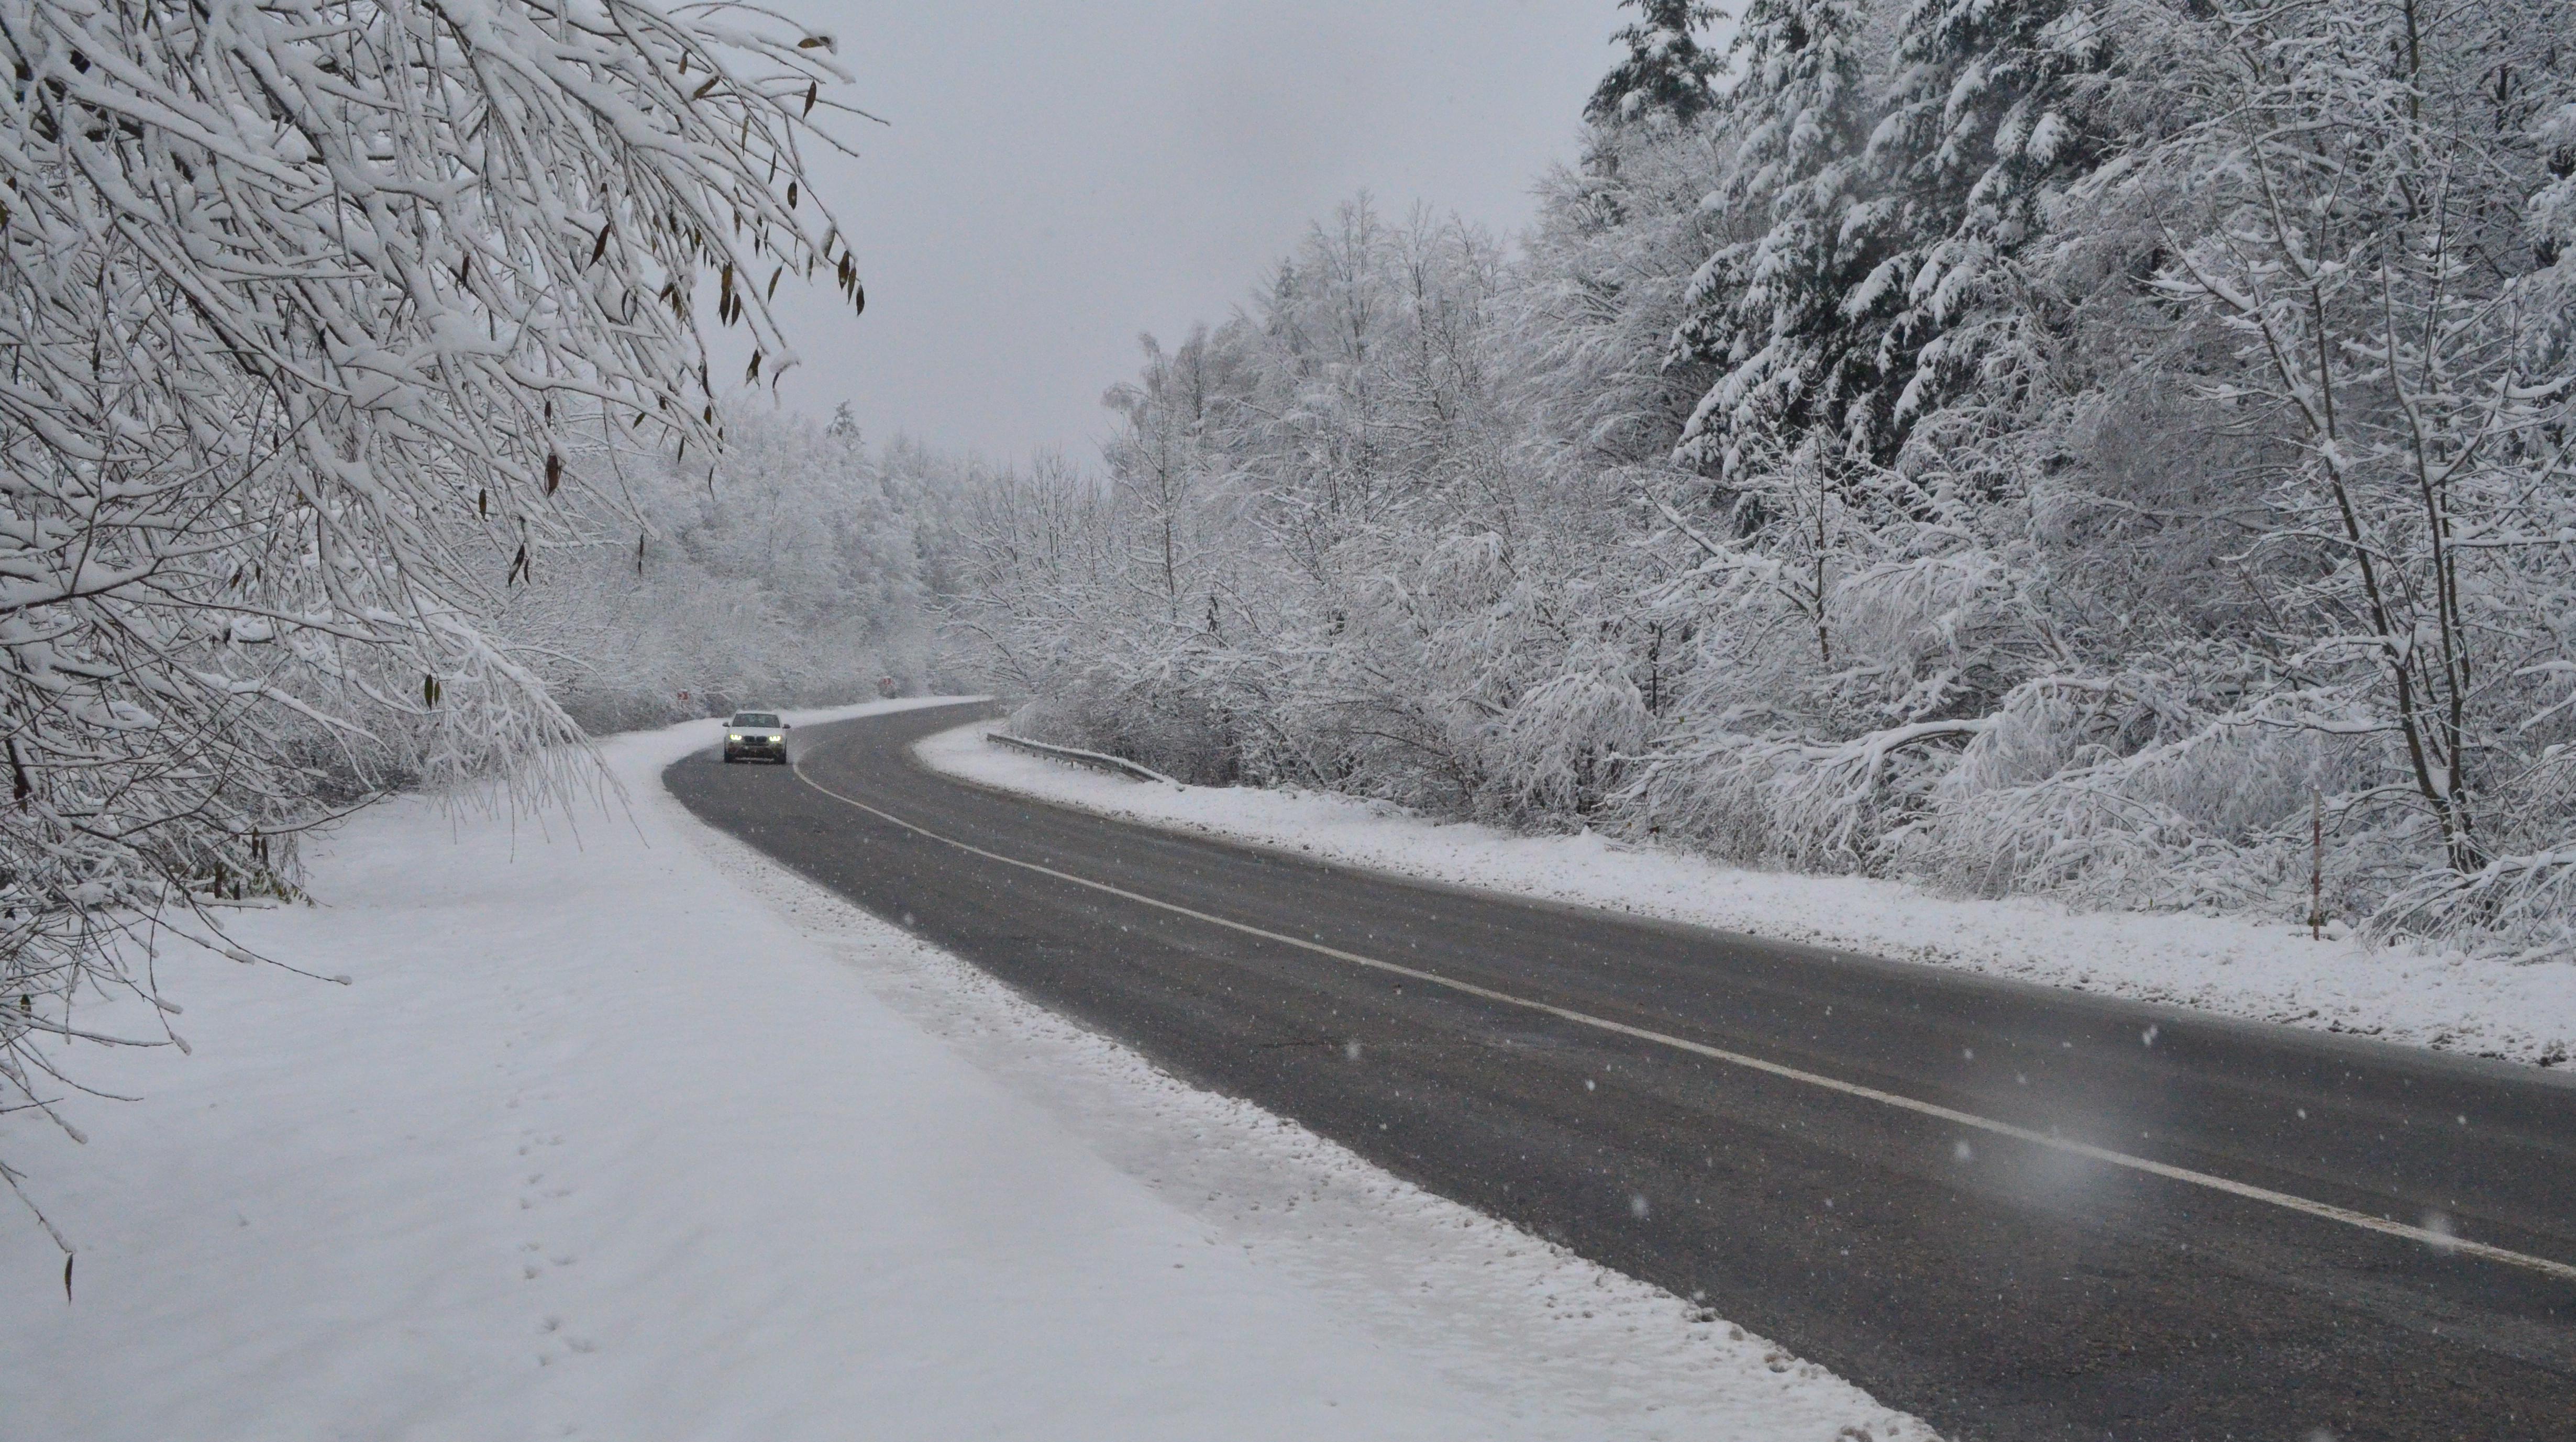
298,299
791,568
2095,448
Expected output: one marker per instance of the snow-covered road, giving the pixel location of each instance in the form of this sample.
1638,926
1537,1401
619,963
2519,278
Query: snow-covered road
626,1134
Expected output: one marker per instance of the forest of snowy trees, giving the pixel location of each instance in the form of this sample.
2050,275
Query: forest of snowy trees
793,568
2111,448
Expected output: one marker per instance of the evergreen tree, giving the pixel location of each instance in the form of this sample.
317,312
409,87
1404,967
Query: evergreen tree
1769,312
1665,72
1988,121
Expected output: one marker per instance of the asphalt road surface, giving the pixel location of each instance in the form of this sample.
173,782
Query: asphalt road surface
2015,1211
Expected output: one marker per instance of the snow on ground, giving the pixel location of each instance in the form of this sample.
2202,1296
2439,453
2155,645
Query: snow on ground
633,1135
2216,963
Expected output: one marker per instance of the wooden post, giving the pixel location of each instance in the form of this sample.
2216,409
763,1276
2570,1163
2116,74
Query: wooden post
2317,866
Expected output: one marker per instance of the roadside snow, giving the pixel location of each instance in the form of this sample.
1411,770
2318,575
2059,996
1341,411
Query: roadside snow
609,1141
2221,964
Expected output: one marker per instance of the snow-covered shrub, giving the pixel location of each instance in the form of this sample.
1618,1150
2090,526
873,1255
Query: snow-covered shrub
2106,791
1564,747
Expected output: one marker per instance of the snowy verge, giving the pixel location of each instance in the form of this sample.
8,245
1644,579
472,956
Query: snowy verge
603,1140
2221,964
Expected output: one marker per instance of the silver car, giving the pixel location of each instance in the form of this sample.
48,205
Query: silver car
761,734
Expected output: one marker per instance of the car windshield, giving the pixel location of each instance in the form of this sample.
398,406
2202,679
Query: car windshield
756,718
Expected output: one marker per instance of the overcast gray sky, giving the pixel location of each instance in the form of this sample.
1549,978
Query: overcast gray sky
1060,177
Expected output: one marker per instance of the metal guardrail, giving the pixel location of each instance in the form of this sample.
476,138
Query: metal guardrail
1098,761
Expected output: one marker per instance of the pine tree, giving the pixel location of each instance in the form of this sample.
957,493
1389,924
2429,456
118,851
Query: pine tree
1987,122
1665,72
844,425
1768,312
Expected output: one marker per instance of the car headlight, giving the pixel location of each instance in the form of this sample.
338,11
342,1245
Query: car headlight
733,738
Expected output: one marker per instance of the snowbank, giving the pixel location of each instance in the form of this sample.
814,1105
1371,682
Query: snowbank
628,1134
2221,964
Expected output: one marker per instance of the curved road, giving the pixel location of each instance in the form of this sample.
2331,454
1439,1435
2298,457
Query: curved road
2014,1211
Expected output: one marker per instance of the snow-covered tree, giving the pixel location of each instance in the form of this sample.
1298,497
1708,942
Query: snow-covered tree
1609,262
2359,216
305,301
1993,110
1665,72
1773,312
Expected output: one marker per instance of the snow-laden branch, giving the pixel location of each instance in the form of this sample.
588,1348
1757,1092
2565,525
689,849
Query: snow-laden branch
302,301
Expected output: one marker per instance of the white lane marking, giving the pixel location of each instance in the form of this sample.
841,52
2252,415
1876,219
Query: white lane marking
2441,1241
